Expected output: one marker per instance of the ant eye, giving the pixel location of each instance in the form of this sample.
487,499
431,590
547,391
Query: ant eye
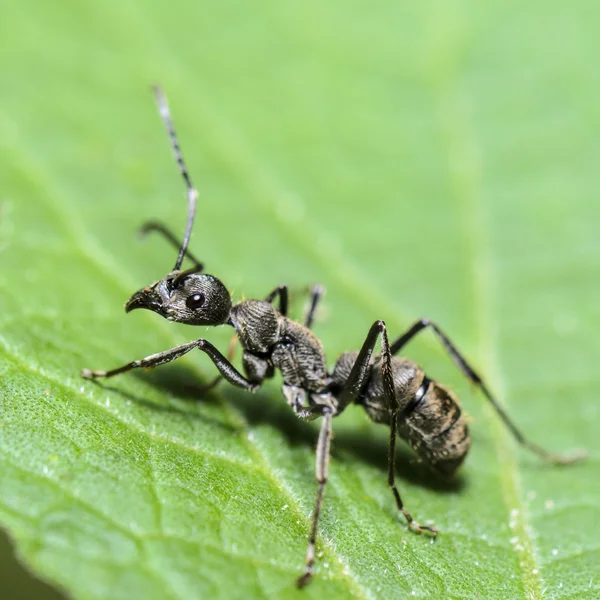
195,301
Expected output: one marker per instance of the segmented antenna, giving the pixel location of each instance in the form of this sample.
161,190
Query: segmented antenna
192,193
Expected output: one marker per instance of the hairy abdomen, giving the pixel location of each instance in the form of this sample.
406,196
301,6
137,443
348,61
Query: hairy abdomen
430,416
437,430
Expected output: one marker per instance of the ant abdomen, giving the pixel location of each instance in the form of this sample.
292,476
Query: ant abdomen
436,429
430,418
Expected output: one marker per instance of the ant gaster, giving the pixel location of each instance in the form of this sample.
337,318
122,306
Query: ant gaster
392,390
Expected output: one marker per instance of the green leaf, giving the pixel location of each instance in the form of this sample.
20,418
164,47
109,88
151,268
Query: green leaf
418,159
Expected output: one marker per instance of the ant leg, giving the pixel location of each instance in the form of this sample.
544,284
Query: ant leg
316,294
150,226
470,374
282,292
230,355
390,392
227,370
321,469
352,389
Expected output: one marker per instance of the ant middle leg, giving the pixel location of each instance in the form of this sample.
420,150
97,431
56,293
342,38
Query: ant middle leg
321,470
471,375
355,383
281,292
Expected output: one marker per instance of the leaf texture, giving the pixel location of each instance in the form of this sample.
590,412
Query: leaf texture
418,159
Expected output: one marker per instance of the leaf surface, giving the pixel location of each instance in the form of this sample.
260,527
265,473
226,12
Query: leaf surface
418,159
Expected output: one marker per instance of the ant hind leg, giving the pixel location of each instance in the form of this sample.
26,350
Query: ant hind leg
461,362
352,388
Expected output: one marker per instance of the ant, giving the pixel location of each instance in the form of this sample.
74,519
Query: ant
393,391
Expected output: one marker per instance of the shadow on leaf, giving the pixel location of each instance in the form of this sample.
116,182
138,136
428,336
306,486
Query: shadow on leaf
17,582
171,408
262,408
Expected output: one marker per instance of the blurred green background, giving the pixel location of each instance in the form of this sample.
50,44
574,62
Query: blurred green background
425,158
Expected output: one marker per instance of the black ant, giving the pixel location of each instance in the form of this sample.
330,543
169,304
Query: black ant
393,391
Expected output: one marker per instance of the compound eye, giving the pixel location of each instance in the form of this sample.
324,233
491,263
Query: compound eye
195,301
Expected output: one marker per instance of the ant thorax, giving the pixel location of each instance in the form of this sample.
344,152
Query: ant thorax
257,324
288,346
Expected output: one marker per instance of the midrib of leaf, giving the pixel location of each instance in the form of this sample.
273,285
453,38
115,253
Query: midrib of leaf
103,262
269,195
465,175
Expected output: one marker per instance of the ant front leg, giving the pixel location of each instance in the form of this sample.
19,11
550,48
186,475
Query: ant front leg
471,375
227,370
355,383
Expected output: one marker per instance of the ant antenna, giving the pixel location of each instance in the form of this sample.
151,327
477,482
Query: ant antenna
192,193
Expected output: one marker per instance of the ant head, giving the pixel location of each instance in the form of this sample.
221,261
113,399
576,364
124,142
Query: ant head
183,297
